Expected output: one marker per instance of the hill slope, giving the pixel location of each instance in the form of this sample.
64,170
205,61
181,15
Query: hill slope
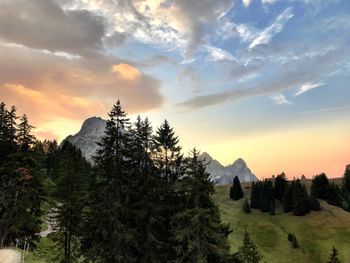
316,232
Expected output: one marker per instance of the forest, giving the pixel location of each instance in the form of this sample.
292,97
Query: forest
142,200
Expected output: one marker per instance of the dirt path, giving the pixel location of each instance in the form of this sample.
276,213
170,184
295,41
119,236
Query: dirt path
10,256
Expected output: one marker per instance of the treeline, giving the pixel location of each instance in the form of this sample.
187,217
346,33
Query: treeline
293,195
22,164
141,201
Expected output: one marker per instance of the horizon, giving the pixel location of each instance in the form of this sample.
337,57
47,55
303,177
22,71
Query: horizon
262,80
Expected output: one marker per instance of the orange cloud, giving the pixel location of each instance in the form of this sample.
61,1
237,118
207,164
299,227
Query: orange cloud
126,71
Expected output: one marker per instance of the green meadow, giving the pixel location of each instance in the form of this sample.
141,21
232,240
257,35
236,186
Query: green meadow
316,232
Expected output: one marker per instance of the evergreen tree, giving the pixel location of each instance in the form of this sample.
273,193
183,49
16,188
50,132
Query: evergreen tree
168,153
346,188
255,195
314,204
149,190
25,138
288,198
167,158
281,185
248,252
236,192
198,234
72,173
267,201
334,258
320,186
21,191
346,180
300,199
334,195
110,234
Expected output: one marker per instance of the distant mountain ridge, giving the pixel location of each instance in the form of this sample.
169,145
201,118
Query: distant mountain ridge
93,129
222,175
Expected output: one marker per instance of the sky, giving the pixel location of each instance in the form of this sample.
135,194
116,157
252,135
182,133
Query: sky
264,80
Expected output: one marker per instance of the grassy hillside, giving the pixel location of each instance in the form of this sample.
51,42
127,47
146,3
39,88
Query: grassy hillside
316,232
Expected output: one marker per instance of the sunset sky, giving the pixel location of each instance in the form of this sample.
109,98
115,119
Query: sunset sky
265,80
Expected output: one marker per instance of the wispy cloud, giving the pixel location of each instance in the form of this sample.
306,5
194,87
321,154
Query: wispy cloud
218,54
276,27
308,86
281,100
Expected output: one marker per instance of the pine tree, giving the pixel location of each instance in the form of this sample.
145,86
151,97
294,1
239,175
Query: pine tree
198,234
300,199
281,185
21,180
334,258
110,234
248,252
288,198
334,195
168,159
149,190
236,192
320,186
346,188
168,153
72,172
346,180
25,138
267,201
314,204
255,195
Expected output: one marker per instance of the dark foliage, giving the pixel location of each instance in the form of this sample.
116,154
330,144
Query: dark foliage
236,192
293,240
246,206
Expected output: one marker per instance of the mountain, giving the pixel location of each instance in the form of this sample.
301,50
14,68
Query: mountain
91,132
224,174
93,129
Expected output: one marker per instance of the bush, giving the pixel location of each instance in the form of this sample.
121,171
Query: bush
246,207
293,240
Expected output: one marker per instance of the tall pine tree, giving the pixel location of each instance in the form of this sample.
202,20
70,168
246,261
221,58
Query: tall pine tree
110,234
198,234
72,173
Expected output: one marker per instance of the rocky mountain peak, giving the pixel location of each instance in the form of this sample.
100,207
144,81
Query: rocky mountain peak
93,129
93,125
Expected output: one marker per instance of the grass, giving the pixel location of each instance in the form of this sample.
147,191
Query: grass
316,232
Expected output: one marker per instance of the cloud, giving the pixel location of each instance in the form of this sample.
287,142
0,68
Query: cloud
75,89
281,100
297,72
308,86
43,24
268,2
246,3
276,27
218,54
126,71
171,24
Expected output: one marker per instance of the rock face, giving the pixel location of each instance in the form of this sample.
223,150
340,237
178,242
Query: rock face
224,174
91,132
93,129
